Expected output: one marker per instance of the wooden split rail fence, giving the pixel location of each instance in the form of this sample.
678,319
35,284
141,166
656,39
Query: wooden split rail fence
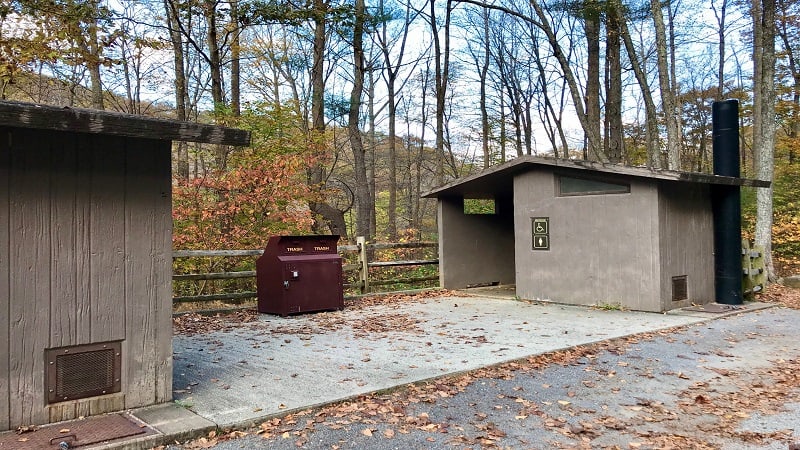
754,271
358,271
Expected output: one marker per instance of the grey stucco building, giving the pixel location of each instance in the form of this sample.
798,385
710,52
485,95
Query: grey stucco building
583,233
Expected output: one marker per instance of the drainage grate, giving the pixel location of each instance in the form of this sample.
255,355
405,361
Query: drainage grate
680,290
76,433
83,371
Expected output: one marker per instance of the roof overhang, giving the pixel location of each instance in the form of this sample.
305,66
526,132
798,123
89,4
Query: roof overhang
79,120
500,179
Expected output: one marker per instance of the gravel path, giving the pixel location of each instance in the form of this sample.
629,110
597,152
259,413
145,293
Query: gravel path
730,383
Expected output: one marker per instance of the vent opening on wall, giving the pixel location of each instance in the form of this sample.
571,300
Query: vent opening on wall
83,371
680,290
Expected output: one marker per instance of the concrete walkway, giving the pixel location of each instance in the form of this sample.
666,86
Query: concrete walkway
249,372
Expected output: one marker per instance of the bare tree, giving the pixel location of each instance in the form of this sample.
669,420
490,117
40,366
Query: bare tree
353,130
391,71
787,30
235,32
651,120
441,55
484,71
721,16
667,97
172,18
614,143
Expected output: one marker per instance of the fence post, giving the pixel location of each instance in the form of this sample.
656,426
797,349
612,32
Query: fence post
753,270
758,263
747,274
361,241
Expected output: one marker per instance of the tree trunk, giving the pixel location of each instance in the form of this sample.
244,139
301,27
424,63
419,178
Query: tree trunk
442,74
667,100
391,71
721,15
764,121
614,137
483,75
176,39
353,130
503,136
550,111
651,120
528,123
236,96
212,42
93,62
676,107
592,29
332,218
373,230
215,69
420,156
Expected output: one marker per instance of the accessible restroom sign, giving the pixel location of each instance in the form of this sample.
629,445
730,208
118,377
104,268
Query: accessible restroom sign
541,233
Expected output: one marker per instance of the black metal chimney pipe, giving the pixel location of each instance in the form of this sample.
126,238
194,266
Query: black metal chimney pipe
726,204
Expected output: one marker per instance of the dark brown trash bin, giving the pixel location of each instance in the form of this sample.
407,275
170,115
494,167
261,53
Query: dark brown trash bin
298,274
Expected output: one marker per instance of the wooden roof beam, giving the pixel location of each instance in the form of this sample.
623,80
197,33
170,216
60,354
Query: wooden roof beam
79,120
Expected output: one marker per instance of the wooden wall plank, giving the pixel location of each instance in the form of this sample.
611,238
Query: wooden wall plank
29,294
148,226
83,241
163,272
107,238
140,290
5,178
64,228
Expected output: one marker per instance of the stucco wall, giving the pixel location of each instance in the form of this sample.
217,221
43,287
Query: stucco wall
604,249
687,242
85,257
475,248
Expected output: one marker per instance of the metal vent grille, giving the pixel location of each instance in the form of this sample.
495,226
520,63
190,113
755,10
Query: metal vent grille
83,371
680,290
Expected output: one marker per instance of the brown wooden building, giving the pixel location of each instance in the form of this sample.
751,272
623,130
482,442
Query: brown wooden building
86,260
582,233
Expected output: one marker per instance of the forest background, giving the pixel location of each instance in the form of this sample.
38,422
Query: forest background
358,107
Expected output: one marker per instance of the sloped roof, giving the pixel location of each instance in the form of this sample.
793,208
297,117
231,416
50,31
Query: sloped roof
80,120
500,179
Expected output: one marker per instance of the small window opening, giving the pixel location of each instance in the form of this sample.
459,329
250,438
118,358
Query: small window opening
479,206
569,186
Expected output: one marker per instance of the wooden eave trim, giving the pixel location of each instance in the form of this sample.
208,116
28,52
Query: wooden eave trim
79,120
528,162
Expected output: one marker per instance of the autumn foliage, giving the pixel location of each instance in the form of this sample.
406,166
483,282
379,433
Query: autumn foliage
262,192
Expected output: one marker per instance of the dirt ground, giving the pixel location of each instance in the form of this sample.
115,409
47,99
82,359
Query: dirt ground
733,383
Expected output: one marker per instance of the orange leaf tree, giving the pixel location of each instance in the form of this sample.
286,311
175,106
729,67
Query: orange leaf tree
262,192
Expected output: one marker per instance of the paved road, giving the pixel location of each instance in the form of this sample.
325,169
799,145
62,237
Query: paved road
729,383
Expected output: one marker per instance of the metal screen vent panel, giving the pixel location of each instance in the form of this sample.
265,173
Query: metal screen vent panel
83,371
680,289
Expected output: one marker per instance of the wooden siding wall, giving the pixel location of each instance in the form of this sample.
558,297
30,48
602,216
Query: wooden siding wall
85,256
603,248
475,248
687,242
